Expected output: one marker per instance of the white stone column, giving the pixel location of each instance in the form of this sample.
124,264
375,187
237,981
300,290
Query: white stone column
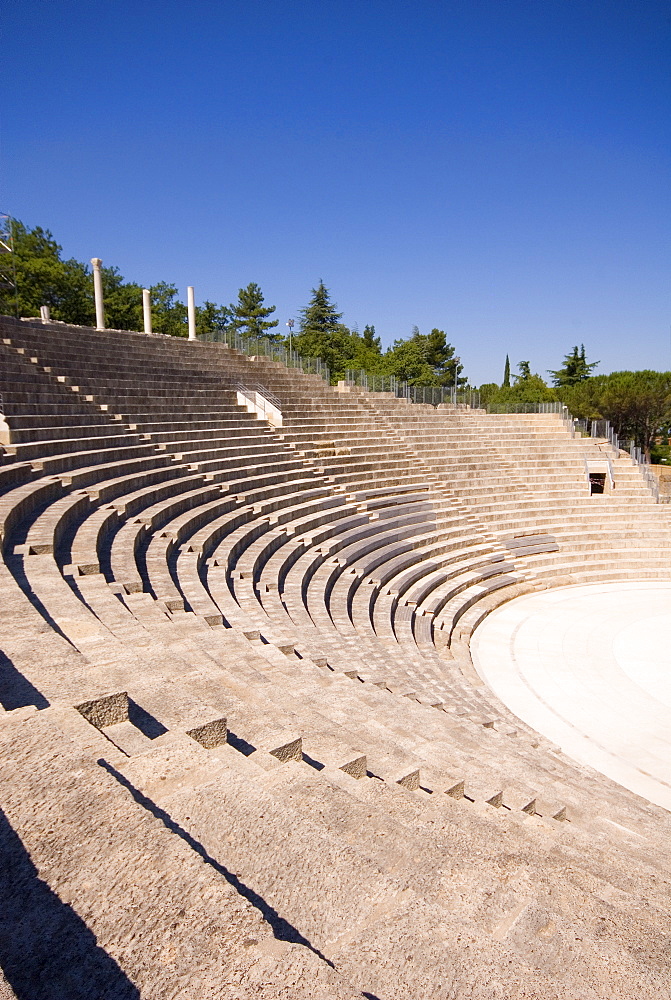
146,309
191,309
98,292
45,314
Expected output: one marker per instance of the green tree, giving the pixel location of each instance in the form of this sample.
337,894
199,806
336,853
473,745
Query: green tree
446,366
250,316
637,404
66,286
370,341
523,397
490,392
583,399
320,317
43,278
424,359
506,374
211,317
168,312
407,360
123,301
575,369
322,335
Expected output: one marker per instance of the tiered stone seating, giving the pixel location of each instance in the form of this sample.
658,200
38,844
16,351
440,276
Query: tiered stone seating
545,492
256,639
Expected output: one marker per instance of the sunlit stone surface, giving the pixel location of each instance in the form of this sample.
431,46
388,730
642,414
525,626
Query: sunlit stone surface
590,668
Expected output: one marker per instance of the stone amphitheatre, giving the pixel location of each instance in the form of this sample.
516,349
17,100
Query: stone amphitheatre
360,700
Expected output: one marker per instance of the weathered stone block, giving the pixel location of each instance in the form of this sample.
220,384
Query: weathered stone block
211,734
105,711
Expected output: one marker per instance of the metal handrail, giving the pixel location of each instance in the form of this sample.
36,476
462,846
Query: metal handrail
262,390
638,458
603,429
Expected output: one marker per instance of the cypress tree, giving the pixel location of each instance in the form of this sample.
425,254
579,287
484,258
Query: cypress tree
506,374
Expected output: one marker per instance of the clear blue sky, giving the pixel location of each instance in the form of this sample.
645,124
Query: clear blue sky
500,170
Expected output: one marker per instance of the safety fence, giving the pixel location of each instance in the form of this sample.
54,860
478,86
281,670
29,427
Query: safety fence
432,395
638,458
518,407
264,347
602,430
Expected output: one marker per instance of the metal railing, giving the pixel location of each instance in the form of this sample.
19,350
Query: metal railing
261,401
262,391
510,407
432,395
603,429
264,347
567,418
638,458
468,398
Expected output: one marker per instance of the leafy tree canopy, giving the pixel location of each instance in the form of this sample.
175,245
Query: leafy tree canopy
211,317
637,404
323,335
425,359
43,278
370,341
528,390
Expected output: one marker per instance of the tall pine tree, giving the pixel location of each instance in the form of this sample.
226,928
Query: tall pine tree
322,335
576,368
250,316
506,374
320,316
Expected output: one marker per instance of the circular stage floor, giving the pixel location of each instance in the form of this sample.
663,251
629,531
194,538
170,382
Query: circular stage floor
589,667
